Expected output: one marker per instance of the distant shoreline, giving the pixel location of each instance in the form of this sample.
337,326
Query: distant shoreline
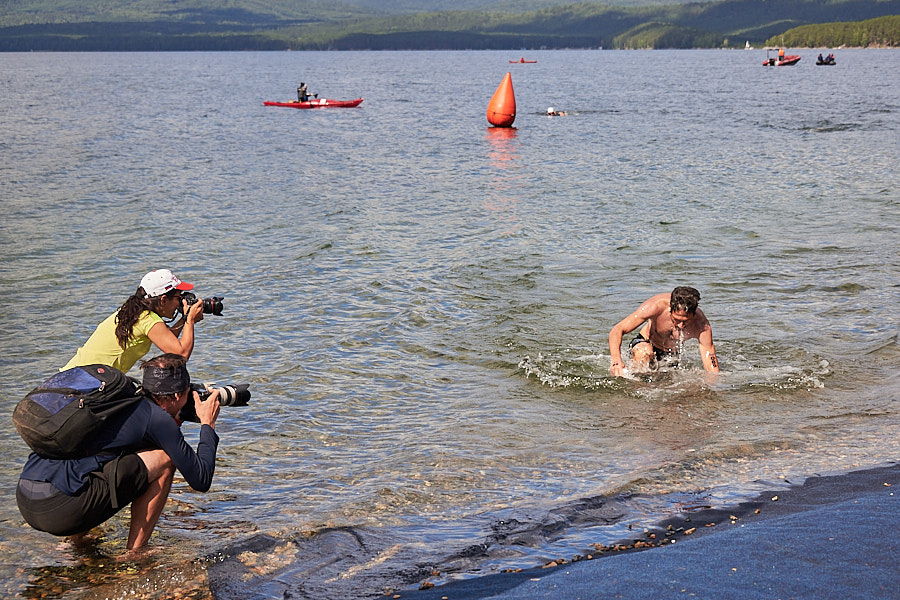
728,24
760,48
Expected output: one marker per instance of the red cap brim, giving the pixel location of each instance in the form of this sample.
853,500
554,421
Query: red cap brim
184,286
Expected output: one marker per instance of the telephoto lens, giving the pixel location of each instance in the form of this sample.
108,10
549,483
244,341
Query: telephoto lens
229,395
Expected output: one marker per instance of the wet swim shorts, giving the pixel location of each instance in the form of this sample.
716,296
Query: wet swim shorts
669,356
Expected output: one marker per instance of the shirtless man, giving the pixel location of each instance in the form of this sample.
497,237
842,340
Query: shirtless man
667,319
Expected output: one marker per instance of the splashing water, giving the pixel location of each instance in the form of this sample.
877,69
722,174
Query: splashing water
679,347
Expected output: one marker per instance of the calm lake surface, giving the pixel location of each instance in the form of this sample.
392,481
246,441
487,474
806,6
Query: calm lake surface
421,302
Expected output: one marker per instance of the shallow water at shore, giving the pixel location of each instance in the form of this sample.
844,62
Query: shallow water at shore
421,303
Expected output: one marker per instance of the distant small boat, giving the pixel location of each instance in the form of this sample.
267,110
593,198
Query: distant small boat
521,61
320,103
787,61
827,61
784,60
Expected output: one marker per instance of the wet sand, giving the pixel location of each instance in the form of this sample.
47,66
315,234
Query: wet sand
832,537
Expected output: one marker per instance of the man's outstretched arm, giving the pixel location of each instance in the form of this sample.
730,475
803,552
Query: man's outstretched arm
708,350
648,310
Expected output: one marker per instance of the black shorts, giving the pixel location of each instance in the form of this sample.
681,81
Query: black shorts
47,509
658,353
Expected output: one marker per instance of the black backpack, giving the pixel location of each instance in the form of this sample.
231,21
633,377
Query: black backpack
61,417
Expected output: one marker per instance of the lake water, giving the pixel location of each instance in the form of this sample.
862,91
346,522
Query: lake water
421,302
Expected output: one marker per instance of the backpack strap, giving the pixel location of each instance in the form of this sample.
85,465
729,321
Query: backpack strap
113,489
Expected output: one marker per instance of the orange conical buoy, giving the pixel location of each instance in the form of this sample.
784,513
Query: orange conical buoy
501,110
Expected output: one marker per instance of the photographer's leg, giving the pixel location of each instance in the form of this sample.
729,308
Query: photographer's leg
145,509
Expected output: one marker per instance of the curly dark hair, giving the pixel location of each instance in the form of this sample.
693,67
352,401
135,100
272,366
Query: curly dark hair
131,310
684,298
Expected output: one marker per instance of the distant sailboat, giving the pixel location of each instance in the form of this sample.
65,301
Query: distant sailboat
747,46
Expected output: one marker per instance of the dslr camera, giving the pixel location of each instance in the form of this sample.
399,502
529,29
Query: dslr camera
229,395
210,305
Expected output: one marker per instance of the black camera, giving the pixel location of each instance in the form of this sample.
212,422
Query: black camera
210,305
229,395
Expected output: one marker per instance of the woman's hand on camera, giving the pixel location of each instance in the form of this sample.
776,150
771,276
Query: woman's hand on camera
194,312
207,410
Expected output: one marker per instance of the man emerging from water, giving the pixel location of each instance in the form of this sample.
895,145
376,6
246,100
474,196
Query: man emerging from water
668,321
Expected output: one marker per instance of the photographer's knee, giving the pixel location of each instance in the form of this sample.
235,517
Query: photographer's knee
159,464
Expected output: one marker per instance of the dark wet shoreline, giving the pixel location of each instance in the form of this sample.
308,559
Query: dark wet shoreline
366,562
847,524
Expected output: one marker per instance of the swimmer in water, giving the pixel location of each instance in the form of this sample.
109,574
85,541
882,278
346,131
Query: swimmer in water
668,320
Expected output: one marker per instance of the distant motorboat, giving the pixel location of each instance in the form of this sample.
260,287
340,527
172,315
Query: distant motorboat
783,60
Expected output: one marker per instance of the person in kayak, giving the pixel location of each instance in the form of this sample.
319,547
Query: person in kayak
133,461
126,335
668,320
303,95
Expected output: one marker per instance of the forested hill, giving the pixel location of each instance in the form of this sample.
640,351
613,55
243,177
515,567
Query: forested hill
878,33
30,12
117,25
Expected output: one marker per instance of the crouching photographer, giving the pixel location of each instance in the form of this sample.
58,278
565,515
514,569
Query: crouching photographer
132,459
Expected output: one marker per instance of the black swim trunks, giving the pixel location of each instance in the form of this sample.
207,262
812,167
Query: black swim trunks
670,356
47,509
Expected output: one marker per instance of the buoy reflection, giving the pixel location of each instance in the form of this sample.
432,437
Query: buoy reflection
501,197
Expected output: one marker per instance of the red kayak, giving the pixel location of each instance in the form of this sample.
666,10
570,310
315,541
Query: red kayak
320,103
521,61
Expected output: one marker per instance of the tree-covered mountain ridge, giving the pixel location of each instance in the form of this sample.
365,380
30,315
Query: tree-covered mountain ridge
31,12
883,32
117,25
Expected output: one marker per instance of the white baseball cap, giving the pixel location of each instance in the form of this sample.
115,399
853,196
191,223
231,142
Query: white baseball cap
159,282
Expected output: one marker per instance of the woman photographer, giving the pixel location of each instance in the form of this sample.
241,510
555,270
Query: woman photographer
131,460
126,335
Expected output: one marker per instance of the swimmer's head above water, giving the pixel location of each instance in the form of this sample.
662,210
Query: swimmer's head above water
684,299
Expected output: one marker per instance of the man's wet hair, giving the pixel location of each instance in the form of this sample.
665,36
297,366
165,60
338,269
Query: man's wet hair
684,298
